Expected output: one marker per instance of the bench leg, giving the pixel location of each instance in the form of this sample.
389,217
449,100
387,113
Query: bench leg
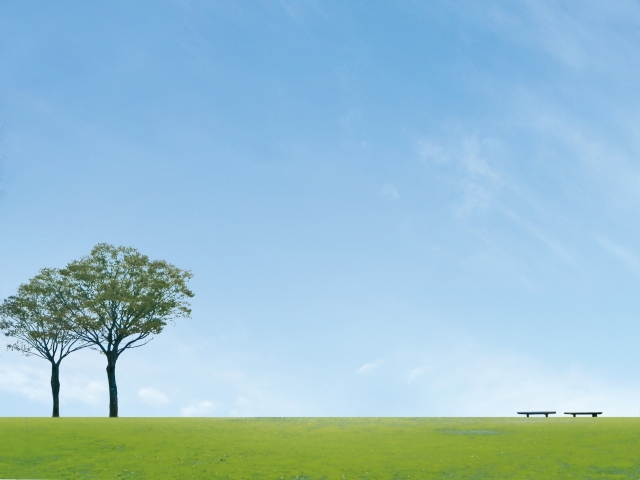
594,415
546,415
527,415
574,415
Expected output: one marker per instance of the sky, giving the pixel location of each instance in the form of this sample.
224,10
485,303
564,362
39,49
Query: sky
390,208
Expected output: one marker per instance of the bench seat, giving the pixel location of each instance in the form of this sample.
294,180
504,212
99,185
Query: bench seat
545,413
593,414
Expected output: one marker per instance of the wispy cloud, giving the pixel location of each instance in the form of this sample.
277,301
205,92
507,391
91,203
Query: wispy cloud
488,189
476,382
543,25
608,165
370,367
390,192
153,397
84,389
26,381
626,256
199,409
29,378
540,235
477,179
418,372
299,10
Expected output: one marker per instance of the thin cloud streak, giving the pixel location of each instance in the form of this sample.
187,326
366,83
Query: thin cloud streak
370,367
626,257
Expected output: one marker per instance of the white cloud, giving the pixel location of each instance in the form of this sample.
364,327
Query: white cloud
628,259
154,397
370,367
390,192
480,181
479,168
473,382
26,381
199,409
78,387
470,162
417,372
33,382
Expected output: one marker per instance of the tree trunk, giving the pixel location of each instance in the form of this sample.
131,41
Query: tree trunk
55,388
113,389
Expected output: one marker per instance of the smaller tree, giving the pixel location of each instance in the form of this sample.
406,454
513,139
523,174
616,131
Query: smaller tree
38,319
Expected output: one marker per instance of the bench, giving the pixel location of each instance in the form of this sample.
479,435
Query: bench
546,414
593,414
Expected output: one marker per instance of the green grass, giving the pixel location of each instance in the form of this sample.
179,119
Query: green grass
315,448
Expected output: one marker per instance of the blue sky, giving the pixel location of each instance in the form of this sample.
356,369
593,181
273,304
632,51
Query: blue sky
390,208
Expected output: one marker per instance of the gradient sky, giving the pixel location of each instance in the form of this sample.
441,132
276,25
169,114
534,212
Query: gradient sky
390,207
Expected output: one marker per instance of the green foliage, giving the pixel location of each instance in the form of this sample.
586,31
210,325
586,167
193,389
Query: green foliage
317,448
113,299
38,318
121,297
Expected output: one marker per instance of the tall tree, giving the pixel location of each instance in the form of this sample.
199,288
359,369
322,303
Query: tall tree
122,300
39,321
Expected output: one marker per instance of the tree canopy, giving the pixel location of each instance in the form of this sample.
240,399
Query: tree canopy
39,318
120,299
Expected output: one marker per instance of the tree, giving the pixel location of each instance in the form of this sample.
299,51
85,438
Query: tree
40,322
121,298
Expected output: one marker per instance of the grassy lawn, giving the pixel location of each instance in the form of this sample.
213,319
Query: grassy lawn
314,448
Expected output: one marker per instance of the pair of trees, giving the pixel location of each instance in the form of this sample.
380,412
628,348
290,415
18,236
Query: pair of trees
111,300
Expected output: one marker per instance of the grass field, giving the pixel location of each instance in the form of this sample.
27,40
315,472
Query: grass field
315,448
